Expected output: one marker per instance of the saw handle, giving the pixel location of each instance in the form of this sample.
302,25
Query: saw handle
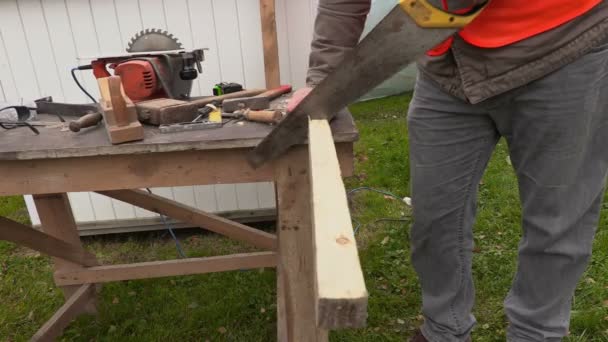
85,121
428,16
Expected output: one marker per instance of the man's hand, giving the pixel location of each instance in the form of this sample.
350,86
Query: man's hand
297,97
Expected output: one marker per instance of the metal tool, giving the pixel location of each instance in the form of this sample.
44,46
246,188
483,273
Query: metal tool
408,31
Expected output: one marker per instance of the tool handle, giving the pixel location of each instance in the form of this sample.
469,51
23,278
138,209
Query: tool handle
276,92
85,121
245,93
265,116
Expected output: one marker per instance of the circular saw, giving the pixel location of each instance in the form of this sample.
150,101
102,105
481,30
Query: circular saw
155,66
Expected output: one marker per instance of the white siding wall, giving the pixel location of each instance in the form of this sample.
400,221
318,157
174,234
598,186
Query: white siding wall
41,40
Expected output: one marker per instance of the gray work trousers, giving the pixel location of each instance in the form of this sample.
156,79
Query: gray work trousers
557,132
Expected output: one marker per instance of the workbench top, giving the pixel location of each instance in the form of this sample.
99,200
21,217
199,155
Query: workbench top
55,142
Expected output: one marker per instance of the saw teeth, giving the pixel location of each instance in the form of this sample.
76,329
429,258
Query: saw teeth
151,36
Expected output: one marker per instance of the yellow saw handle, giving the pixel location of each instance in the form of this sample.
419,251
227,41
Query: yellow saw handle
428,16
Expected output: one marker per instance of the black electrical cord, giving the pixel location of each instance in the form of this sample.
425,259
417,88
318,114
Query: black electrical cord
80,85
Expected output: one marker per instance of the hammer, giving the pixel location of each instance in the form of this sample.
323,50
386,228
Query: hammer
257,102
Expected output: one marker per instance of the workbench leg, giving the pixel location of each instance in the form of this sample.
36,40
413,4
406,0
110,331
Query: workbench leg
58,221
296,321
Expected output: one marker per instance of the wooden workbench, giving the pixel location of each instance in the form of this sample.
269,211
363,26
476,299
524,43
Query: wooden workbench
56,162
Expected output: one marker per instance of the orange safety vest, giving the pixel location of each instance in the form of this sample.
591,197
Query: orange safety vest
505,22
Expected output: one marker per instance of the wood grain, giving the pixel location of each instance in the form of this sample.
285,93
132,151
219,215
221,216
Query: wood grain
57,221
295,272
73,307
181,168
52,143
340,293
188,214
270,41
26,236
158,269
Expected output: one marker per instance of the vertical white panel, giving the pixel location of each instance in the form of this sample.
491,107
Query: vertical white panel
38,40
152,14
85,39
63,47
225,195
283,41
252,48
202,22
247,196
299,27
107,28
31,209
122,210
102,205
185,195
129,19
9,90
18,53
229,44
178,23
81,206
266,195
204,195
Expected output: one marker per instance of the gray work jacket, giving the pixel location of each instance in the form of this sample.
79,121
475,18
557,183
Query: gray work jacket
468,72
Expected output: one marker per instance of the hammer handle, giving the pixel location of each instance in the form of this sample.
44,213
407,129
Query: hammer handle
276,92
265,116
245,93
87,120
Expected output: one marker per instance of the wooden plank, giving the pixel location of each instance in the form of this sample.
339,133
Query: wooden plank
138,171
57,221
73,307
340,293
295,276
194,216
270,42
169,268
26,236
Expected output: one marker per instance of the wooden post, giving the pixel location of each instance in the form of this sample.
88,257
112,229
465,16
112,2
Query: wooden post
295,277
57,220
271,45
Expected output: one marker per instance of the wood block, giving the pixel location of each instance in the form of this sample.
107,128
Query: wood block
119,112
340,293
166,111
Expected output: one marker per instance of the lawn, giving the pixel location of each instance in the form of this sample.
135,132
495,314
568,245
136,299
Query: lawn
240,306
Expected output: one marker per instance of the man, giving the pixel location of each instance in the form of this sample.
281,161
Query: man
536,73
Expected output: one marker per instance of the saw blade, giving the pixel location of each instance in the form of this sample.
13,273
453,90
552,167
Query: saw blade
153,40
392,45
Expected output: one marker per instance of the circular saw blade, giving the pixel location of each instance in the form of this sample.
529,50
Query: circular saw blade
153,40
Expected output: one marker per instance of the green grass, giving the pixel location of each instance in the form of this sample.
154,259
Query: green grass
239,306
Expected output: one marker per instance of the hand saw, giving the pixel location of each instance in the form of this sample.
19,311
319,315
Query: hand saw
408,31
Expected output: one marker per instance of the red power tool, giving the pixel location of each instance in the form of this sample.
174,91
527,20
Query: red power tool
156,66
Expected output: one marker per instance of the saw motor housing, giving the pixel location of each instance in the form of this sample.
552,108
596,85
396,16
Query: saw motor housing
147,76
